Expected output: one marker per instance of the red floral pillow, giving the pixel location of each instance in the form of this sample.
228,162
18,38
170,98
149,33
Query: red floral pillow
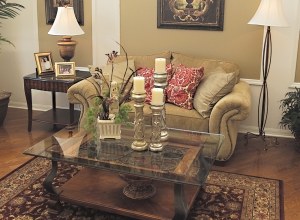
148,73
183,85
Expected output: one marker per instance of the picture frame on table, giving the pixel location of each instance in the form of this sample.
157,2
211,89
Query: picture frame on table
65,70
191,14
44,63
51,10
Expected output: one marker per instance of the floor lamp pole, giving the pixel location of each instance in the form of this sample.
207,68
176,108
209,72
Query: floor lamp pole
263,97
263,103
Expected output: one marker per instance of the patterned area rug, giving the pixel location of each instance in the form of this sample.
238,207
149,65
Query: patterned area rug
224,196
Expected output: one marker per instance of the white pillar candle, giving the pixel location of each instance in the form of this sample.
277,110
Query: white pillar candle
157,96
160,65
139,84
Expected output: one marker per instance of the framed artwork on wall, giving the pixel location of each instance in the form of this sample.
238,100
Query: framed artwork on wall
51,9
191,14
44,63
65,70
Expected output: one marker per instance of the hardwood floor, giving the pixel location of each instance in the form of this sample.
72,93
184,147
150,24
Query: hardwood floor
278,162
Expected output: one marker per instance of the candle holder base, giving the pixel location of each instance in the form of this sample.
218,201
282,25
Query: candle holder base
139,145
164,136
156,147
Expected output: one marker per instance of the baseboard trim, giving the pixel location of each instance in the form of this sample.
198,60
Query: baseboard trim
269,132
36,107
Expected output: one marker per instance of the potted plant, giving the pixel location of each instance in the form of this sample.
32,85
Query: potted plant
7,10
110,110
4,100
290,119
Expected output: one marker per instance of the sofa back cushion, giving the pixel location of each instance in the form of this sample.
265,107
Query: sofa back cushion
145,60
208,64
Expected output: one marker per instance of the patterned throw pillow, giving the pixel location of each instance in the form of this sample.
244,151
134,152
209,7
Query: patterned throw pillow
148,73
183,85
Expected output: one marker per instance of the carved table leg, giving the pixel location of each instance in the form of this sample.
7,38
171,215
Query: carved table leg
181,208
55,207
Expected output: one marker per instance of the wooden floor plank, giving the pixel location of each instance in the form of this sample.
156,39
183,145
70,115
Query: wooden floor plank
278,162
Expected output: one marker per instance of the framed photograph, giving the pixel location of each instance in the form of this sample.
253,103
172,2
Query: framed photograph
44,63
191,14
65,70
51,9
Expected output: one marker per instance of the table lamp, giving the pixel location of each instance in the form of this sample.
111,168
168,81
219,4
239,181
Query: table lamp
269,13
66,25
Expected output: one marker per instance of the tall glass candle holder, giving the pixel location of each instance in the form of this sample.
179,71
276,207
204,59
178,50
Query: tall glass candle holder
155,137
160,81
139,144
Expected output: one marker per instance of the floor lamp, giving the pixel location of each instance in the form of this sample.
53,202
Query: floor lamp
269,14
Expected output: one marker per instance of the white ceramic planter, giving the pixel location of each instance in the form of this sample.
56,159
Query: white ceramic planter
109,129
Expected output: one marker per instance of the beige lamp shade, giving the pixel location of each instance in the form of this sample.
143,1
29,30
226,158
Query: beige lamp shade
66,25
269,13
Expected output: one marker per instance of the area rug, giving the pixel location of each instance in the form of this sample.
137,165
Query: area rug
224,196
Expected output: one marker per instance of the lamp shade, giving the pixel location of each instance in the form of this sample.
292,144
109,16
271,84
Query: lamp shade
269,13
65,23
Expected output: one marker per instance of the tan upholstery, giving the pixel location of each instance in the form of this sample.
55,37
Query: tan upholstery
225,115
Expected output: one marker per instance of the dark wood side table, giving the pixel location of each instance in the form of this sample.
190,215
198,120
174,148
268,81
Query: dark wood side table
50,83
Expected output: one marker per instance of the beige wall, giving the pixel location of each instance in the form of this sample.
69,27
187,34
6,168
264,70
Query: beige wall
83,52
238,42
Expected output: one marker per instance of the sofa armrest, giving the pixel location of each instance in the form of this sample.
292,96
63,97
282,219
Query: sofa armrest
83,93
235,106
226,116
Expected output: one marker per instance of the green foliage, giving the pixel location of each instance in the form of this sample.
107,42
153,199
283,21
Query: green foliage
8,10
290,106
94,112
123,115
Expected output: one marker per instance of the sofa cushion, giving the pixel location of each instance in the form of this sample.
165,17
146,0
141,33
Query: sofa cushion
148,74
176,117
208,64
211,89
145,60
183,85
118,74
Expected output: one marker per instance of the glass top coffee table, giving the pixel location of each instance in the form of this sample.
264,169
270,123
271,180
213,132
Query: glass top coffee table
117,179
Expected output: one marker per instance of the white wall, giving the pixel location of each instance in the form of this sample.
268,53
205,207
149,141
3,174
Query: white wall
19,61
281,77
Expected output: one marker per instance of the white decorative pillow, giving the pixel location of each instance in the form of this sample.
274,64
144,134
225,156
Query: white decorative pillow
211,89
118,73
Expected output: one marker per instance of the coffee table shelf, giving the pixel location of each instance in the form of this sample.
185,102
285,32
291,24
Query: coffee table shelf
101,189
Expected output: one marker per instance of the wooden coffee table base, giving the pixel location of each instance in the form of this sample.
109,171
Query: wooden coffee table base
103,190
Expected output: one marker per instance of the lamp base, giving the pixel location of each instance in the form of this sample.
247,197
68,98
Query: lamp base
250,135
67,48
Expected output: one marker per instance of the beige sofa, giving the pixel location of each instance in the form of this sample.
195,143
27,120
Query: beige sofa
223,118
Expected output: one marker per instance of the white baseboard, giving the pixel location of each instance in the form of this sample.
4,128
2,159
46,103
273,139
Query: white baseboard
269,132
37,107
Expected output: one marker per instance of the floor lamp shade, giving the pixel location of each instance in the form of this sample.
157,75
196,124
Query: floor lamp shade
269,13
66,25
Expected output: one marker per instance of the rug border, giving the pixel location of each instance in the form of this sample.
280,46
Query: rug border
19,167
281,189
